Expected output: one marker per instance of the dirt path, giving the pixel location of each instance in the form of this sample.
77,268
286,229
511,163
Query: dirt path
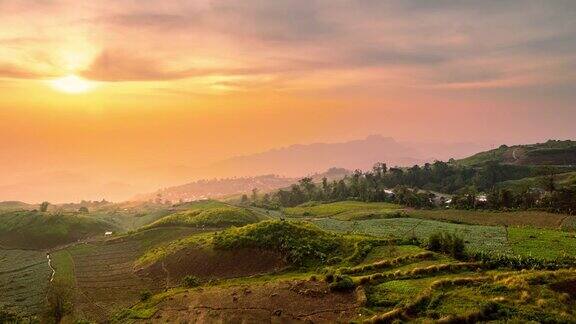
50,266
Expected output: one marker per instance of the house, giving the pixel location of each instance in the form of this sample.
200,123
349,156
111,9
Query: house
108,234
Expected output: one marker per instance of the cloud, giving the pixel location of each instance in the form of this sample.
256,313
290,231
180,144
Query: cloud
417,42
146,20
113,65
15,72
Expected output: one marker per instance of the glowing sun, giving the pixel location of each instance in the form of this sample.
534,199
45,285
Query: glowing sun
72,84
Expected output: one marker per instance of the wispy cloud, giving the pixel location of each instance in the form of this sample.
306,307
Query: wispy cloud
426,43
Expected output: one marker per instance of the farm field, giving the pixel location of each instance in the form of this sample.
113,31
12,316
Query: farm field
103,272
478,237
542,243
344,210
407,284
24,280
268,269
538,219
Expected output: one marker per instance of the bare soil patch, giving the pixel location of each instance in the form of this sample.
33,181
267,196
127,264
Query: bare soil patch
208,264
280,302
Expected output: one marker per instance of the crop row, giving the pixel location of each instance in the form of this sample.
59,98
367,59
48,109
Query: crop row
23,281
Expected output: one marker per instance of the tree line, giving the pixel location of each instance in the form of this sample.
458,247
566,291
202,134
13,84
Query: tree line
418,186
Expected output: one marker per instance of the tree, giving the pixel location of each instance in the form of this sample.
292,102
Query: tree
309,187
44,206
244,199
254,194
506,198
83,209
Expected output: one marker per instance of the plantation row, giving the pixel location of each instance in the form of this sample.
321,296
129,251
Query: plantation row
24,279
105,278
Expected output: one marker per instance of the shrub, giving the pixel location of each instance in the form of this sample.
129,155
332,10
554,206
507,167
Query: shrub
342,283
145,295
334,260
300,242
447,243
329,277
6,317
190,281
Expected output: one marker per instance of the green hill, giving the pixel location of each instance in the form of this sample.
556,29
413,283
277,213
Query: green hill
560,181
209,213
558,153
37,230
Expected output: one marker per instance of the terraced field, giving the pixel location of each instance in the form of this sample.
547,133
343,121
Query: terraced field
24,279
414,286
103,272
105,279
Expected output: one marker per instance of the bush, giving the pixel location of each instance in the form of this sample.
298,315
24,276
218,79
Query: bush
146,295
342,283
329,277
6,317
190,281
301,243
447,243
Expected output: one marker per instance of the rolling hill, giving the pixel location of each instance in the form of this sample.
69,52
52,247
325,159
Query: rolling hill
37,230
209,213
552,152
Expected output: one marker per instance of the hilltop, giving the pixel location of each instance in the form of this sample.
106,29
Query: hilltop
552,152
209,213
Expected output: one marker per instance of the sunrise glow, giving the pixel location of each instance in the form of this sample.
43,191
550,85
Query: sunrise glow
72,84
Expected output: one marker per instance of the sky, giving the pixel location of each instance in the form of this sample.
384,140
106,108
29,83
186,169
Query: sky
120,91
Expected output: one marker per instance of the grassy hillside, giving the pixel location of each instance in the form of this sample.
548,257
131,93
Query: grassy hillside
37,230
549,153
300,242
560,180
209,213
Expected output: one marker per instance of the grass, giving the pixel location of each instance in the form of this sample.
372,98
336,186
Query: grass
37,230
388,252
63,264
162,250
345,210
542,243
209,214
538,219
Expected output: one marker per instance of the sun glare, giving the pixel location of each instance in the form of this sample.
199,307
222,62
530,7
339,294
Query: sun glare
72,84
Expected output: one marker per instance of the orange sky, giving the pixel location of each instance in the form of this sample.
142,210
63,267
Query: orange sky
192,82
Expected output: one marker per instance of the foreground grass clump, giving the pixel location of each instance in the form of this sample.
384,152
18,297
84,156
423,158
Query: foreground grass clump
210,214
301,243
